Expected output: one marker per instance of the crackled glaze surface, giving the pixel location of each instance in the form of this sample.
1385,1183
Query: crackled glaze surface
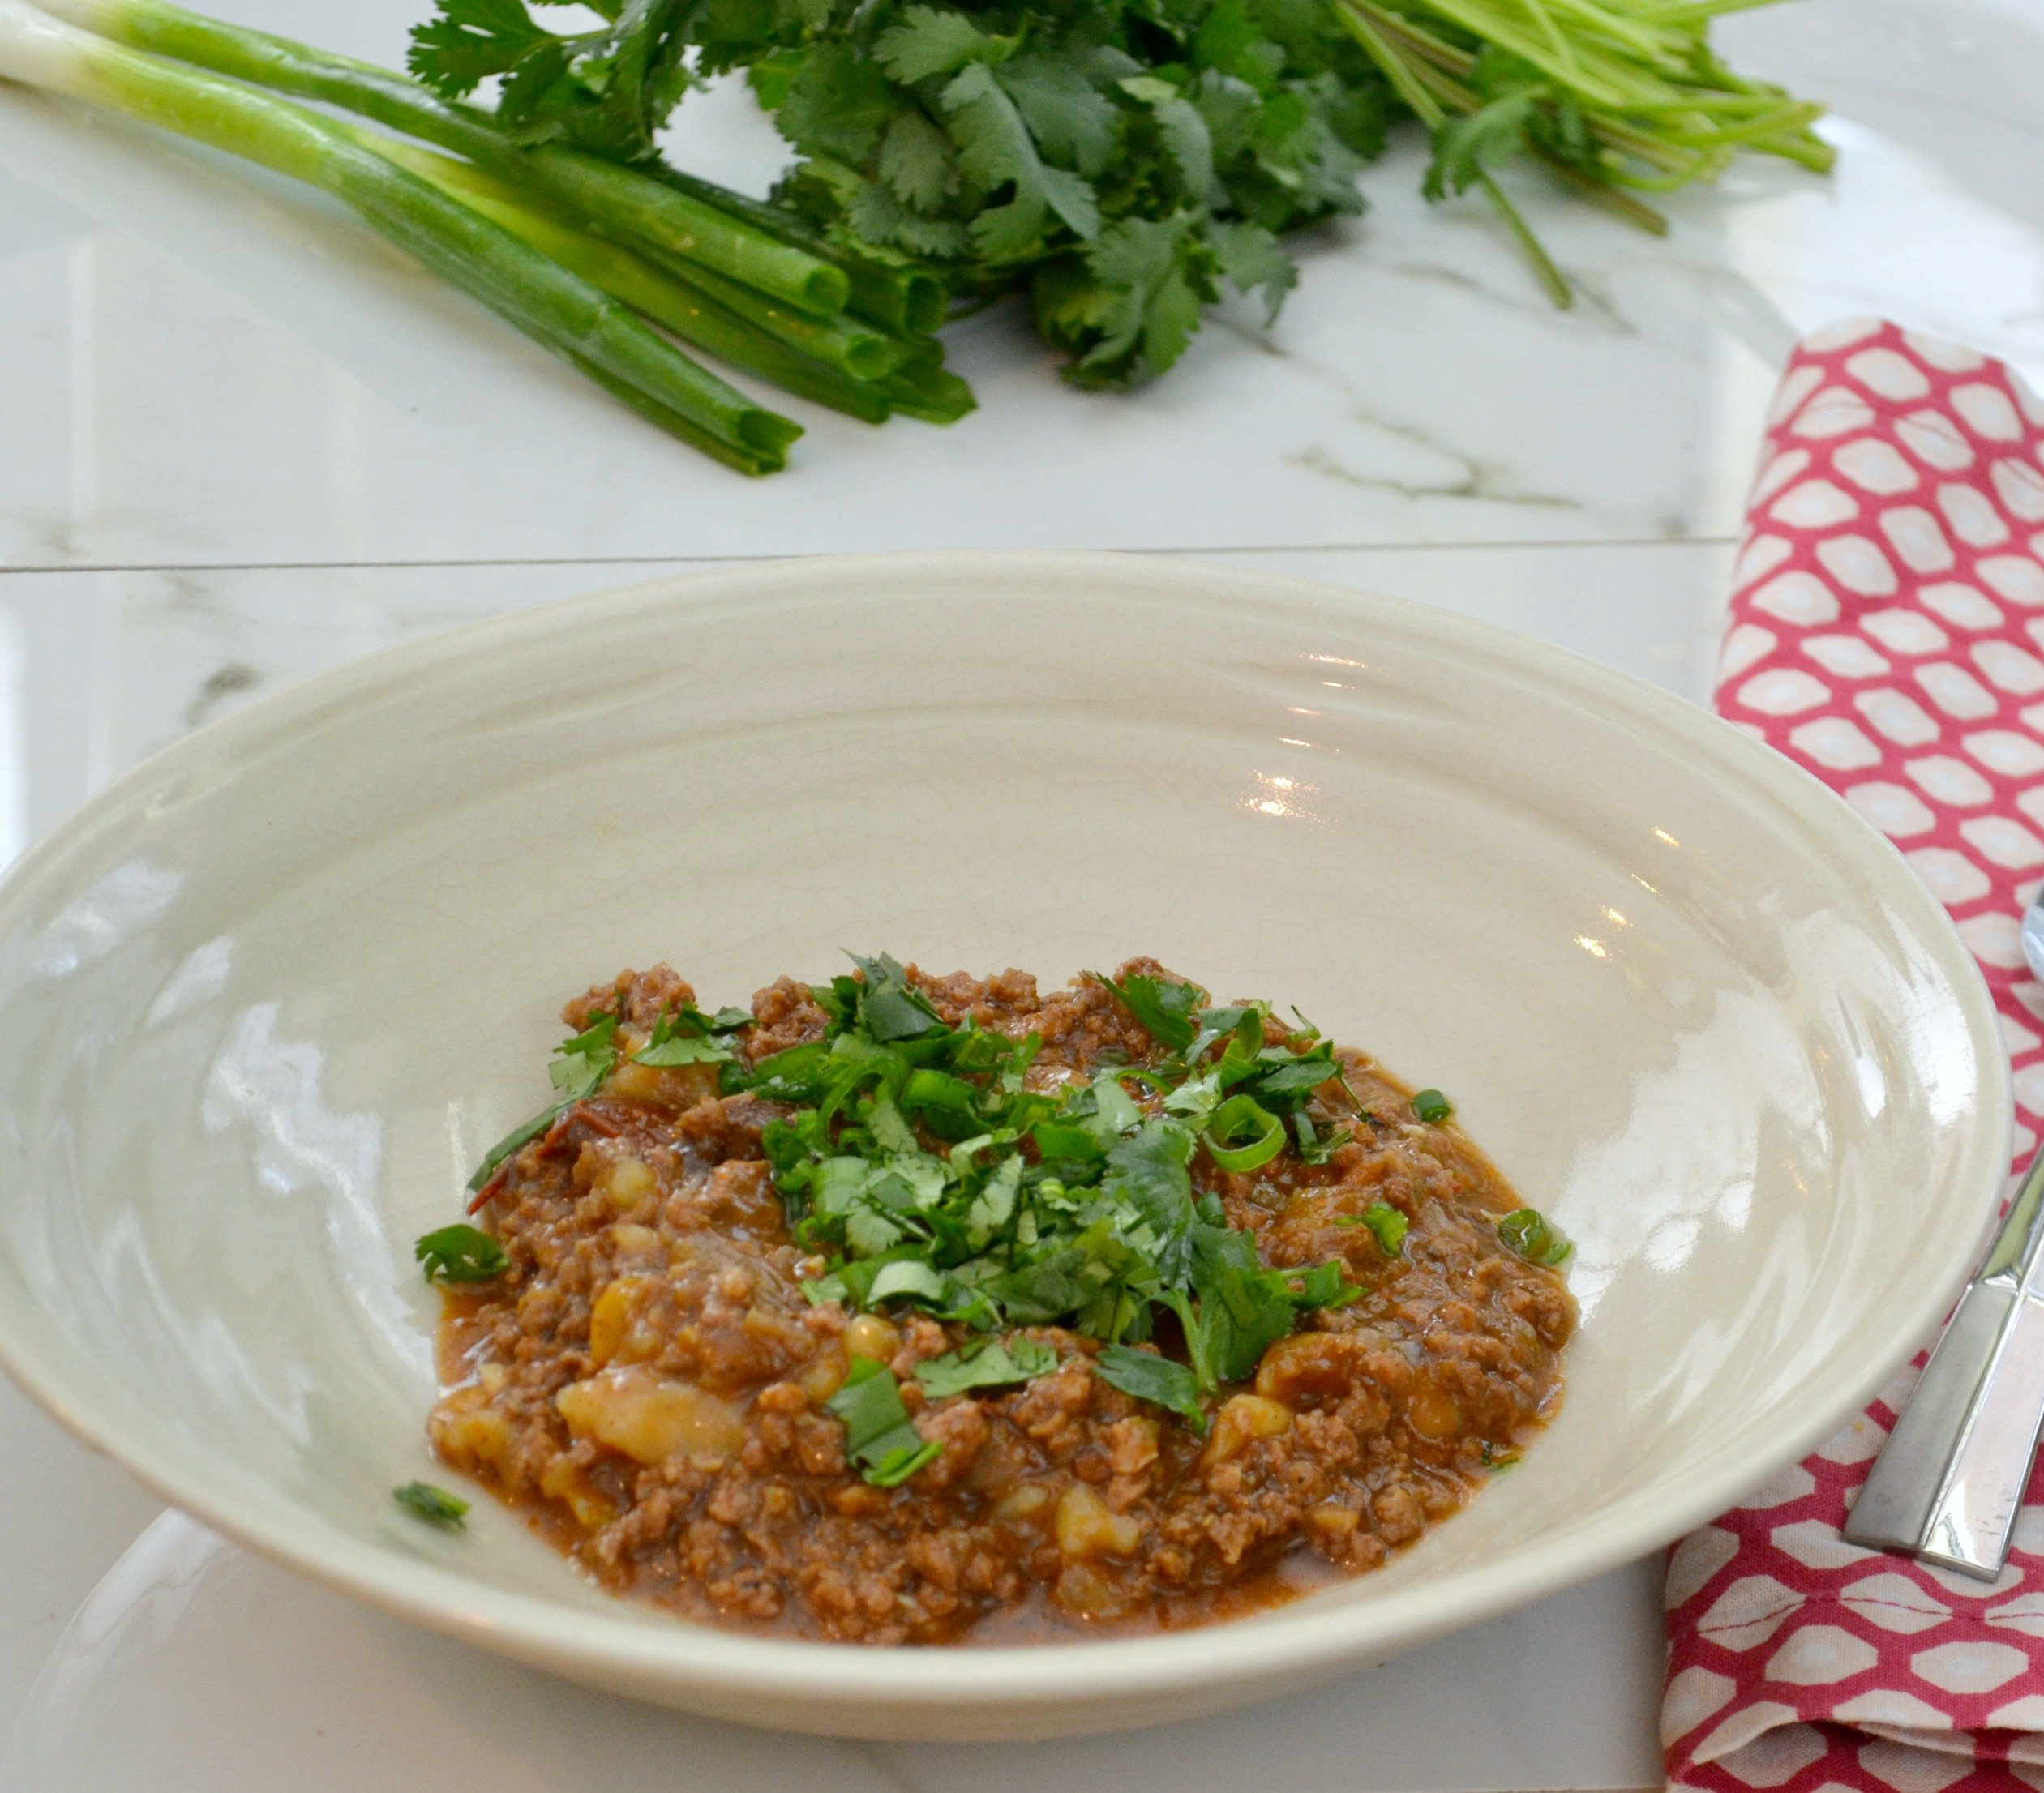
1694,1008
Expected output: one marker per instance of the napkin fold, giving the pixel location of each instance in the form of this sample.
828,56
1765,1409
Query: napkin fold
1887,633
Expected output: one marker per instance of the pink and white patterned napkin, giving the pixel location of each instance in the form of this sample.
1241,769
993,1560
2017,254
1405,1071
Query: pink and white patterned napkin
1887,634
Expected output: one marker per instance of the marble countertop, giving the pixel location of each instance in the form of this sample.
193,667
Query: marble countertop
241,442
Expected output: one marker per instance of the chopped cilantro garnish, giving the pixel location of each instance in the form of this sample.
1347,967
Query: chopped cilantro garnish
435,1505
1534,1238
683,1049
687,1036
580,1064
1149,1377
878,1435
917,1160
1165,1009
1315,1147
913,1158
906,1279
889,1007
1385,1221
992,1365
1432,1106
460,1253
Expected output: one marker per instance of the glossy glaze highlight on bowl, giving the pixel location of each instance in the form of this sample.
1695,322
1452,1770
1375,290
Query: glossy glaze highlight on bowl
263,1003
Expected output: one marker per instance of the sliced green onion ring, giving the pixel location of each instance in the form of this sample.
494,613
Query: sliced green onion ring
1244,1134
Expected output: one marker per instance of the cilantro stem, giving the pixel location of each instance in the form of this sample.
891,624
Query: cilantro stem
1620,204
549,303
1550,276
1652,108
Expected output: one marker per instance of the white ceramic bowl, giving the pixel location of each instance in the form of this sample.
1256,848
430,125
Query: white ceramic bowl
263,1003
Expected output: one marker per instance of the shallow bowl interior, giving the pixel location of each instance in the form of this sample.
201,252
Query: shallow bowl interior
262,1004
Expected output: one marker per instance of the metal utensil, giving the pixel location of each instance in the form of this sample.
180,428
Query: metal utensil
1948,1484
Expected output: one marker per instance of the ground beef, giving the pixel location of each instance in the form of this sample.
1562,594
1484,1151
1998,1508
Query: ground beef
647,1378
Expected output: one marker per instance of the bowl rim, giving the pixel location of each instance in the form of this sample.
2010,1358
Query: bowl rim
625,1649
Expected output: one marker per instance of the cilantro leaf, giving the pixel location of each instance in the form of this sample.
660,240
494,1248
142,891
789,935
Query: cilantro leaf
683,1049
1150,1377
687,1036
1052,1288
1242,1310
889,1007
472,40
906,1280
996,151
1164,1009
1229,41
995,1205
1183,130
917,162
930,40
1129,304
606,91
582,1062
992,1365
1072,120
580,1066
1466,147
1148,1172
1252,261
1285,1077
881,219
837,104
460,1253
1313,1147
515,1141
433,1504
878,1436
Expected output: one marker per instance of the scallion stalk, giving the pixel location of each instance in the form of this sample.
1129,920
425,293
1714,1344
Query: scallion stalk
555,307
666,295
634,208
908,299
926,390
853,348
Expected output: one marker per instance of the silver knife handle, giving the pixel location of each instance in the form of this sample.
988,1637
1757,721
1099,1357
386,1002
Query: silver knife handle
1950,1478
1969,1528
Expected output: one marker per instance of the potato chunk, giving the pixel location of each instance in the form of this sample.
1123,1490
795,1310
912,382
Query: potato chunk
1088,1526
1242,1420
651,1418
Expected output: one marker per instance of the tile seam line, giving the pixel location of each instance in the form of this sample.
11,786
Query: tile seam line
1167,551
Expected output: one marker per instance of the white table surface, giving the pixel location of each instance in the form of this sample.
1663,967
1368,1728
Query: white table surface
241,442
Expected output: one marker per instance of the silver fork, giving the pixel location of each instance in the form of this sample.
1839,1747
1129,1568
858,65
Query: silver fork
1948,1484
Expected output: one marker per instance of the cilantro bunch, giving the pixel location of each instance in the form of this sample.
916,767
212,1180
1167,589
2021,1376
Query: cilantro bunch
1125,161
1122,162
